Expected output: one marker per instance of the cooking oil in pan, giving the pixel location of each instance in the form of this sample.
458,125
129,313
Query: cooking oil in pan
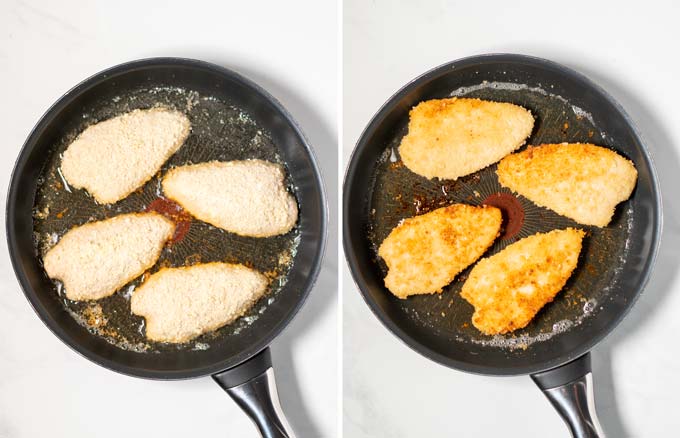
220,131
398,193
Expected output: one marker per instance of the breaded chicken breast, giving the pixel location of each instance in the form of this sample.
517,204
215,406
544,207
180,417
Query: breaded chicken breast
583,182
244,197
180,304
425,253
96,259
113,158
450,138
510,287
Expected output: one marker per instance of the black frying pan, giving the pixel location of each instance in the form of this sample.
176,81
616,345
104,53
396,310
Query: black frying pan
232,118
615,262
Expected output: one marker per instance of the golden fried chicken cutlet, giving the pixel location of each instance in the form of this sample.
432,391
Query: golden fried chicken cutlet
510,287
425,253
583,182
450,138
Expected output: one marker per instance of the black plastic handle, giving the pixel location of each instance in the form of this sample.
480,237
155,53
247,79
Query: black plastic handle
570,390
253,387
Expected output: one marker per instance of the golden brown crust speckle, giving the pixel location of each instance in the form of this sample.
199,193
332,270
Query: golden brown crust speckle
510,287
450,138
425,253
581,181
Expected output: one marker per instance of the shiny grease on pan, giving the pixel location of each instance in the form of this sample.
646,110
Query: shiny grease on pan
219,131
398,193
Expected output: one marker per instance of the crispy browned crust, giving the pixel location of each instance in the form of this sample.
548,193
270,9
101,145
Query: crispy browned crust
450,138
510,287
426,252
581,181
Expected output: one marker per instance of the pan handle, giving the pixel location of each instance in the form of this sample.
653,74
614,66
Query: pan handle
570,390
252,386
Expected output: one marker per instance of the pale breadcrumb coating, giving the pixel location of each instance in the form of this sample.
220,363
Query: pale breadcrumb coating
96,259
180,304
244,197
113,158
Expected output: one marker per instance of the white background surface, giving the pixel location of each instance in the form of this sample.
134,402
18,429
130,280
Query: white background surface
46,48
391,391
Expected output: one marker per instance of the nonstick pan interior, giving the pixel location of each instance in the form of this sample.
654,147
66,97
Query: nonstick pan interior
220,131
613,262
231,119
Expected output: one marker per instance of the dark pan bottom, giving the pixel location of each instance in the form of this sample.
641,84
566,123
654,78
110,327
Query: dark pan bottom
399,193
615,261
220,131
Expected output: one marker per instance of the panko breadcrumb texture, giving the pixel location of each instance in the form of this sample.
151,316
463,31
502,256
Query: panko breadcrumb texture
244,197
510,287
583,182
425,253
180,304
113,158
96,259
451,138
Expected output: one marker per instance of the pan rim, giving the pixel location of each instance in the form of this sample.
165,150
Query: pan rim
353,263
13,192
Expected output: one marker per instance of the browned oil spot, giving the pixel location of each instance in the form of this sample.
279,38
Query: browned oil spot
175,213
474,178
271,275
42,214
284,258
420,203
61,213
513,213
193,259
94,316
424,204
247,264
